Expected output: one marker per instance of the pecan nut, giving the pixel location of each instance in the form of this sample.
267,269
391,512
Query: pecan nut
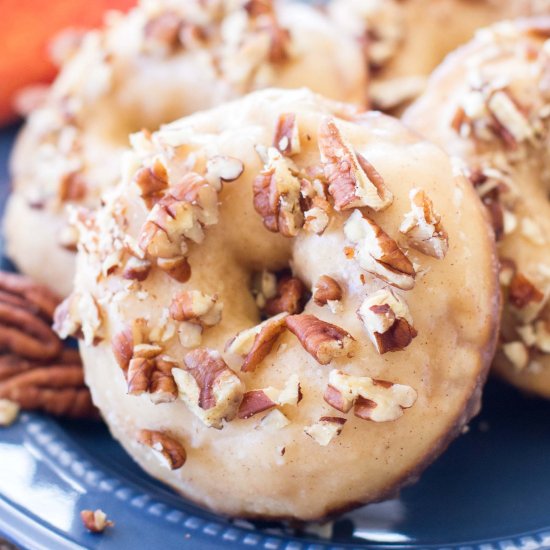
289,297
353,181
152,181
167,448
255,343
257,401
423,228
376,400
56,387
323,341
377,253
523,292
211,390
277,194
326,290
95,520
387,320
325,429
26,311
287,136
196,307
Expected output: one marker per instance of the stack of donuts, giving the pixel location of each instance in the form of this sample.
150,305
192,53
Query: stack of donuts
288,301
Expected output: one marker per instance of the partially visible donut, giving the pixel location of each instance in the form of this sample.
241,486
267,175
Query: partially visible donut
489,104
376,335
163,60
405,40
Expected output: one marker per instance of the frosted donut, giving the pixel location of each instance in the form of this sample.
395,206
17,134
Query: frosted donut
334,384
163,60
489,104
406,40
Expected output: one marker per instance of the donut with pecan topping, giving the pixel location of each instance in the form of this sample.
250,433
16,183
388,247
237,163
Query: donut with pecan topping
405,40
489,105
371,365
161,61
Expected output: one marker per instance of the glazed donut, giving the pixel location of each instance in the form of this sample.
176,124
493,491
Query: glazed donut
163,60
489,104
406,40
336,382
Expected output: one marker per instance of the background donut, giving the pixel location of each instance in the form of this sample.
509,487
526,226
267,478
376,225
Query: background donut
325,408
406,40
489,104
163,60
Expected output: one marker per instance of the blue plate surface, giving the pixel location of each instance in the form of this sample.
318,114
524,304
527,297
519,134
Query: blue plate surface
490,491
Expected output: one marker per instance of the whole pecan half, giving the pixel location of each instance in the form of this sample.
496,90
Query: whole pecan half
36,371
26,311
55,387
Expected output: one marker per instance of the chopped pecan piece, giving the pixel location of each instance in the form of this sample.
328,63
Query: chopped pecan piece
136,269
166,447
273,420
376,400
162,386
154,377
72,187
316,217
95,521
177,268
277,195
377,253
257,401
162,32
325,429
323,341
264,287
387,320
223,169
289,297
146,370
532,231
190,334
511,124
287,136
326,290
423,227
254,402
517,353
152,182
211,390
139,374
507,271
79,316
196,307
523,292
256,343
280,40
180,215
9,411
256,8
123,342
536,334
353,182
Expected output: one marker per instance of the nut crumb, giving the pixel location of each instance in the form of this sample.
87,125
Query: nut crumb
95,521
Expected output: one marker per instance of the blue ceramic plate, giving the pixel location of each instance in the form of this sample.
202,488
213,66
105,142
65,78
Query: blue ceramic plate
490,491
